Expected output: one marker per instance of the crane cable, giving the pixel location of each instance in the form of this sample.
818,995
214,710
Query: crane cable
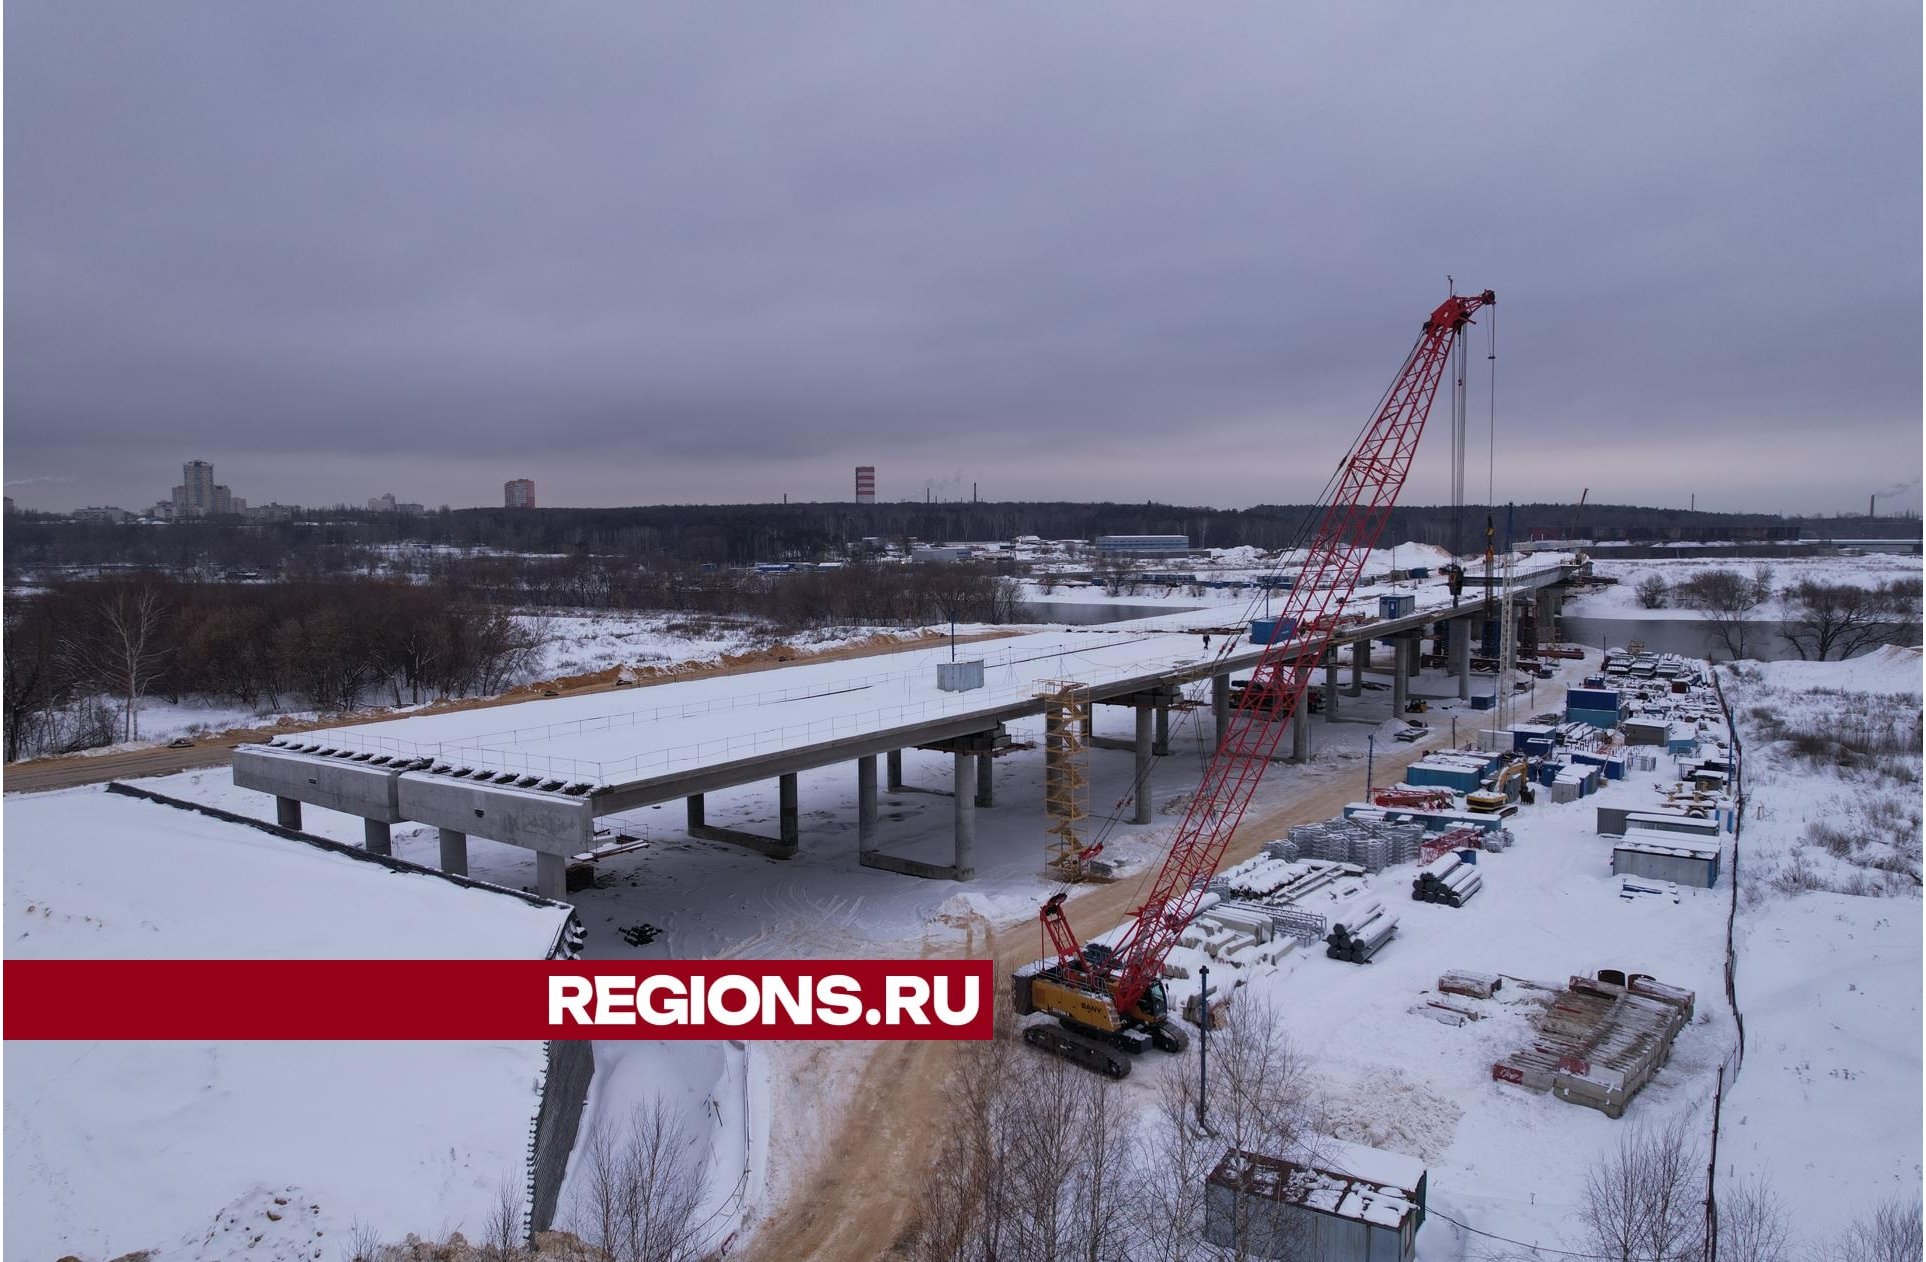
1299,538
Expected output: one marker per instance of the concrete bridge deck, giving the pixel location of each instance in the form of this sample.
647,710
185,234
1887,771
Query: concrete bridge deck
542,782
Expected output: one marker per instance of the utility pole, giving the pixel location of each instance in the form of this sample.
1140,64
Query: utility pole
1203,1041
1370,757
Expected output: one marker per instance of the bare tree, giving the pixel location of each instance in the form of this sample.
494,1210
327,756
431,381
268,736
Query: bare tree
1753,1224
1652,591
363,1243
1889,1233
642,1186
1177,1161
29,680
1258,1093
503,1233
1835,621
123,652
1644,1201
1727,598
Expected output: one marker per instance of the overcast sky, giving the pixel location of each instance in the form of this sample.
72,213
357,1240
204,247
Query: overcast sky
648,253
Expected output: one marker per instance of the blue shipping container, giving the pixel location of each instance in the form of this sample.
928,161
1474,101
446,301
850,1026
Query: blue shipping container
1440,777
1591,698
1606,719
1396,606
1264,630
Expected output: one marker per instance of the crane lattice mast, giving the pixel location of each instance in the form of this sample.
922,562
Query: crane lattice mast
1367,486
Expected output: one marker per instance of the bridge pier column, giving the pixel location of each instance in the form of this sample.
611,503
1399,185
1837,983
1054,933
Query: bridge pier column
965,861
1400,679
1145,750
1461,657
287,812
1160,741
1220,706
787,823
375,837
454,851
696,817
1330,686
866,805
895,770
985,781
1301,736
551,875
1360,659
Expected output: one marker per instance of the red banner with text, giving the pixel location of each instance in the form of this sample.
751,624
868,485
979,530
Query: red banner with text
498,999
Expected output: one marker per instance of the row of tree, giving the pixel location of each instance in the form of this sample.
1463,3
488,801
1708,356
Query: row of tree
81,657
339,541
1820,621
862,593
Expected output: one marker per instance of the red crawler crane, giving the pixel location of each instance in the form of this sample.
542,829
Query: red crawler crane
1115,993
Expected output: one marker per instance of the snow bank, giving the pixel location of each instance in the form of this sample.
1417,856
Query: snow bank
1889,668
93,875
241,1149
185,1147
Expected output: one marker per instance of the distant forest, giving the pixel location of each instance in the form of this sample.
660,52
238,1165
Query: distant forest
337,540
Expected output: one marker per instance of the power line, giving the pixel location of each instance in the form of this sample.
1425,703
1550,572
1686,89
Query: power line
1540,1248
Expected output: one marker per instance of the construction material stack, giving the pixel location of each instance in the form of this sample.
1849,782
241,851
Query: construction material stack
1448,879
1600,1041
1360,932
1372,844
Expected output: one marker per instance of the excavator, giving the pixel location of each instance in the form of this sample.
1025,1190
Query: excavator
1108,998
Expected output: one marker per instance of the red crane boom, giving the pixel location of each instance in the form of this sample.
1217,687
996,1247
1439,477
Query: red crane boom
1367,487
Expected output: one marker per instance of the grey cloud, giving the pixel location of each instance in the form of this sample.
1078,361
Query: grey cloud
644,253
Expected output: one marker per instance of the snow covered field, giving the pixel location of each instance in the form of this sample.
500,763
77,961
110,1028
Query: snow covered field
232,1150
665,895
1827,1102
1621,599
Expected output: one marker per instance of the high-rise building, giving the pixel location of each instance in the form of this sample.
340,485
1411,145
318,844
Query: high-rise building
199,495
194,497
865,484
519,494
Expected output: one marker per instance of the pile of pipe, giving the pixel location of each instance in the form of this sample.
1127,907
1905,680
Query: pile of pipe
1360,931
1447,879
1373,845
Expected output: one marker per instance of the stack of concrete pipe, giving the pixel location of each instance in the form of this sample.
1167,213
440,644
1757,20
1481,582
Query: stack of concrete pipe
1360,931
1447,879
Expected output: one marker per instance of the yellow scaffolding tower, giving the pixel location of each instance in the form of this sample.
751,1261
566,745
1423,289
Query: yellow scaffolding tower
1066,755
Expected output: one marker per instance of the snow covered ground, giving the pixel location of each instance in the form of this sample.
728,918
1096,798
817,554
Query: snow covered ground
1828,1103
662,895
232,1150
582,643
1621,599
1828,1100
574,644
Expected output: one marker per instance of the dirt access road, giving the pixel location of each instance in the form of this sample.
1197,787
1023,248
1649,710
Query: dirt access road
859,1199
71,770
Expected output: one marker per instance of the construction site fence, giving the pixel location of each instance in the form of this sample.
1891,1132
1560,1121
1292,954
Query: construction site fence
1728,1071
